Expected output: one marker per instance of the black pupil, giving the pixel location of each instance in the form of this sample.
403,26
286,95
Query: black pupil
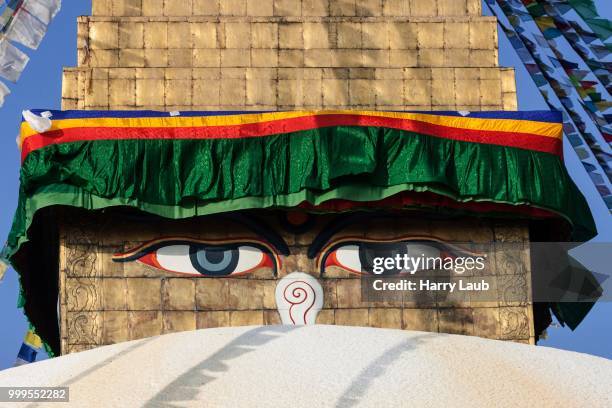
214,261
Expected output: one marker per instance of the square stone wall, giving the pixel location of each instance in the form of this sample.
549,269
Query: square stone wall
104,302
177,55
295,8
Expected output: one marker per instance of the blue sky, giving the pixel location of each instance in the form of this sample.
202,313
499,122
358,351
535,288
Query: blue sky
40,87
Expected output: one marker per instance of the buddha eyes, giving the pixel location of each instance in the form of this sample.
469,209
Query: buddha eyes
387,258
195,258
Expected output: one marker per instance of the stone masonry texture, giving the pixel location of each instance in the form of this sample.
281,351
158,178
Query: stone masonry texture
174,55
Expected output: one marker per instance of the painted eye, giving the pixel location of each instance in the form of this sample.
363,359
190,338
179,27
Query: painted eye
360,257
198,259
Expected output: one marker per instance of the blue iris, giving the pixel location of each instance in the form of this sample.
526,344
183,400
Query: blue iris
214,261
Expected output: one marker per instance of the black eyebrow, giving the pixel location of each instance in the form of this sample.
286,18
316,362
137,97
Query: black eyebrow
259,227
336,225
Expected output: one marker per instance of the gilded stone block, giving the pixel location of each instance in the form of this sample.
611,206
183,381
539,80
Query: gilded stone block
452,8
131,34
362,92
103,35
402,35
144,294
456,57
153,8
291,58
290,36
456,34
417,92
246,318
490,91
264,58
456,321
180,58
260,7
178,321
233,58
483,58
474,7
233,92
468,92
156,58
178,92
430,57
443,92
131,58
178,7
245,294
482,34
212,294
317,8
430,35
317,35
206,91
326,316
388,92
271,317
102,7
385,318
204,35
205,320
486,322
115,294
510,102
349,35
351,317
348,292
335,92
206,57
342,8
421,8
264,35
287,8
233,7
144,324
260,92
128,8
179,294
206,8
237,35
70,85
420,319
115,328
180,34
375,36
156,34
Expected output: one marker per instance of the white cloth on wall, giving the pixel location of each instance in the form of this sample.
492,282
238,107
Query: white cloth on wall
12,61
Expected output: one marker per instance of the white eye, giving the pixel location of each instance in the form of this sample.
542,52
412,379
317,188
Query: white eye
348,257
175,258
209,260
248,258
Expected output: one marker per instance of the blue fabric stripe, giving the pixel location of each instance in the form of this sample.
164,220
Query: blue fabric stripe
27,353
538,116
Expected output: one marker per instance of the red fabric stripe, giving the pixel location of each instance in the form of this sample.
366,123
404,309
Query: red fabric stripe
260,129
427,199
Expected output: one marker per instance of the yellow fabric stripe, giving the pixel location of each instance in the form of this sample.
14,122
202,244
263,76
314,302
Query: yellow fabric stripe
32,339
499,125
